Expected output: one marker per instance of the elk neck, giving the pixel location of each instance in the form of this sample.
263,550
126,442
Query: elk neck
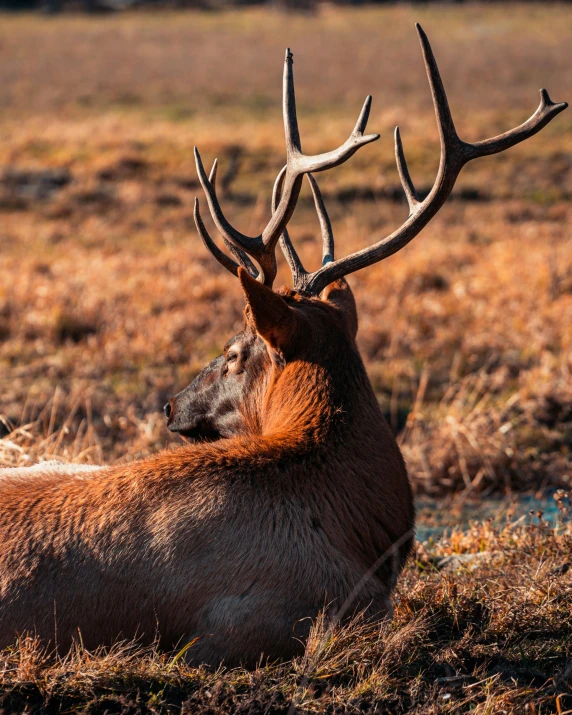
321,402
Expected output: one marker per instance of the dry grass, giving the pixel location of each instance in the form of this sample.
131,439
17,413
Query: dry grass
480,439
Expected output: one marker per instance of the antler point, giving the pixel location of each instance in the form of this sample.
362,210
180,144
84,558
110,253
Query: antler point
423,39
212,175
546,102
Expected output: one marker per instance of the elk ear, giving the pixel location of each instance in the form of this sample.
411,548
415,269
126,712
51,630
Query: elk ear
340,295
273,319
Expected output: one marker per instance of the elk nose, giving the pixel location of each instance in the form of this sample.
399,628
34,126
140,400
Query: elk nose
167,410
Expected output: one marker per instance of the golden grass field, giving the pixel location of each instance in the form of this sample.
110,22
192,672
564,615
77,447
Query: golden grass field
109,305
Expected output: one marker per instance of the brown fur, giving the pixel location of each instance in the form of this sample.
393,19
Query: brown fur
238,542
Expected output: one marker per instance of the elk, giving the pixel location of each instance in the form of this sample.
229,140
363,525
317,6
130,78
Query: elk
291,496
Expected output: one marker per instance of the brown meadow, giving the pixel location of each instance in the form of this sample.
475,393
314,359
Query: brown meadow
109,305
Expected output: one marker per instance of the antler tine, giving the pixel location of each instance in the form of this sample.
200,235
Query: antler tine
212,175
262,247
291,131
299,273
242,258
290,254
545,113
211,246
408,188
447,132
455,153
240,255
219,255
325,223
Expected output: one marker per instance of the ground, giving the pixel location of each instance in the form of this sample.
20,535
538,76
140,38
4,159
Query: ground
483,624
109,303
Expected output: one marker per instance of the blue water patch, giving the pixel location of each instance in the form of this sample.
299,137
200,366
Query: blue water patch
438,518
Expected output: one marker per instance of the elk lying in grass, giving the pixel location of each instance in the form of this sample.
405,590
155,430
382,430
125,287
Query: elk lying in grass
300,499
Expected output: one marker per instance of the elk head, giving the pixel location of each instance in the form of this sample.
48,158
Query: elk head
216,403
210,407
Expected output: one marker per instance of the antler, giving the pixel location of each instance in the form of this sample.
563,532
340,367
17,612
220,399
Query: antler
455,153
300,275
263,247
221,257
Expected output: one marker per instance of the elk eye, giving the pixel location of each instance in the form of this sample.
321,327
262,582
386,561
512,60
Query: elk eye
232,357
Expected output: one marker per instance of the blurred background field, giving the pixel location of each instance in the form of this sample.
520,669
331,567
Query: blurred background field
109,304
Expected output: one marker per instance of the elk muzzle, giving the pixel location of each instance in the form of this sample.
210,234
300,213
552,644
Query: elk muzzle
207,409
187,414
